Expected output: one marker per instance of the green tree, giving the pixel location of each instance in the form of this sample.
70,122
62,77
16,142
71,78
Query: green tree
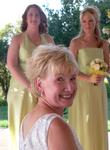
5,36
64,23
4,79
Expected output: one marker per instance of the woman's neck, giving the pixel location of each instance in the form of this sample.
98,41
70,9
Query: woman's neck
90,40
89,37
45,106
32,32
34,36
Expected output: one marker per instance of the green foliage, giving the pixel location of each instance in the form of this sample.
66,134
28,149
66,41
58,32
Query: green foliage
4,79
108,90
3,112
5,36
64,24
3,116
109,114
4,123
8,31
69,2
65,114
3,103
3,50
55,26
109,125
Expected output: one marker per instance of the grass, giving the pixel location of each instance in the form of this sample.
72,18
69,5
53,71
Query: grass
109,115
109,125
4,123
3,116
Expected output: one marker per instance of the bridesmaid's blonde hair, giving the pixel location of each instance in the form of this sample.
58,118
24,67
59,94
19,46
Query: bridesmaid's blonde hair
96,14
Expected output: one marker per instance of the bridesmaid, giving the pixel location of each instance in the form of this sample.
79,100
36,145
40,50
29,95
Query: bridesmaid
88,114
20,100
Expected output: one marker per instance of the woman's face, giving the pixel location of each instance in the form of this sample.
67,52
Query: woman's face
88,23
33,17
58,90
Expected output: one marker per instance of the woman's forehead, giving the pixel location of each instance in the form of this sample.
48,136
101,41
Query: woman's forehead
87,14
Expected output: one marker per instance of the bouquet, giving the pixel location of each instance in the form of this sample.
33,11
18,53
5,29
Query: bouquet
98,67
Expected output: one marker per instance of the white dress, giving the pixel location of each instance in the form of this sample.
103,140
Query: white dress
37,136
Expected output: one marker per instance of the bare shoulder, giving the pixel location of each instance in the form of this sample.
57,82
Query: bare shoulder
59,123
17,38
75,45
14,46
106,48
49,38
76,39
76,42
57,136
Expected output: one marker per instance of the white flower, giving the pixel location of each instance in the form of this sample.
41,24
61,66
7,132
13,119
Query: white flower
96,67
99,67
106,30
92,63
98,64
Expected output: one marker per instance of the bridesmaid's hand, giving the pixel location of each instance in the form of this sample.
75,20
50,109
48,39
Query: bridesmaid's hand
96,79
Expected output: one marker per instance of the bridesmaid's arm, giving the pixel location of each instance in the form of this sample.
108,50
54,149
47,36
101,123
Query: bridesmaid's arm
106,53
13,61
93,78
74,47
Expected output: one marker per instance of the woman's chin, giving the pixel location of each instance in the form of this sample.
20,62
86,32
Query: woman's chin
68,103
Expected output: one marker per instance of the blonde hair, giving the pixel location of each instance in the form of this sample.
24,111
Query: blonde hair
47,58
96,14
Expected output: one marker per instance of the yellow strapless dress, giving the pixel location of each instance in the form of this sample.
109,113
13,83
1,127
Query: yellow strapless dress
20,101
88,114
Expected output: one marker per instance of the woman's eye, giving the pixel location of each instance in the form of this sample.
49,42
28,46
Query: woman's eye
83,21
60,79
90,20
37,15
30,14
73,78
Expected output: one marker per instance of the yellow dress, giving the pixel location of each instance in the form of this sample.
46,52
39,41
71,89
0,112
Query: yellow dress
88,114
20,101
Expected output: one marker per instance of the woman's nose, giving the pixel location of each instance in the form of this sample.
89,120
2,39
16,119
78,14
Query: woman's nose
69,87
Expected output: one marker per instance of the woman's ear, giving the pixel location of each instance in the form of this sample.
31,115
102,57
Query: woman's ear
37,84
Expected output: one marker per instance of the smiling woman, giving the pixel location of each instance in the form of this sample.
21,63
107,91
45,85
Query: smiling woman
52,72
